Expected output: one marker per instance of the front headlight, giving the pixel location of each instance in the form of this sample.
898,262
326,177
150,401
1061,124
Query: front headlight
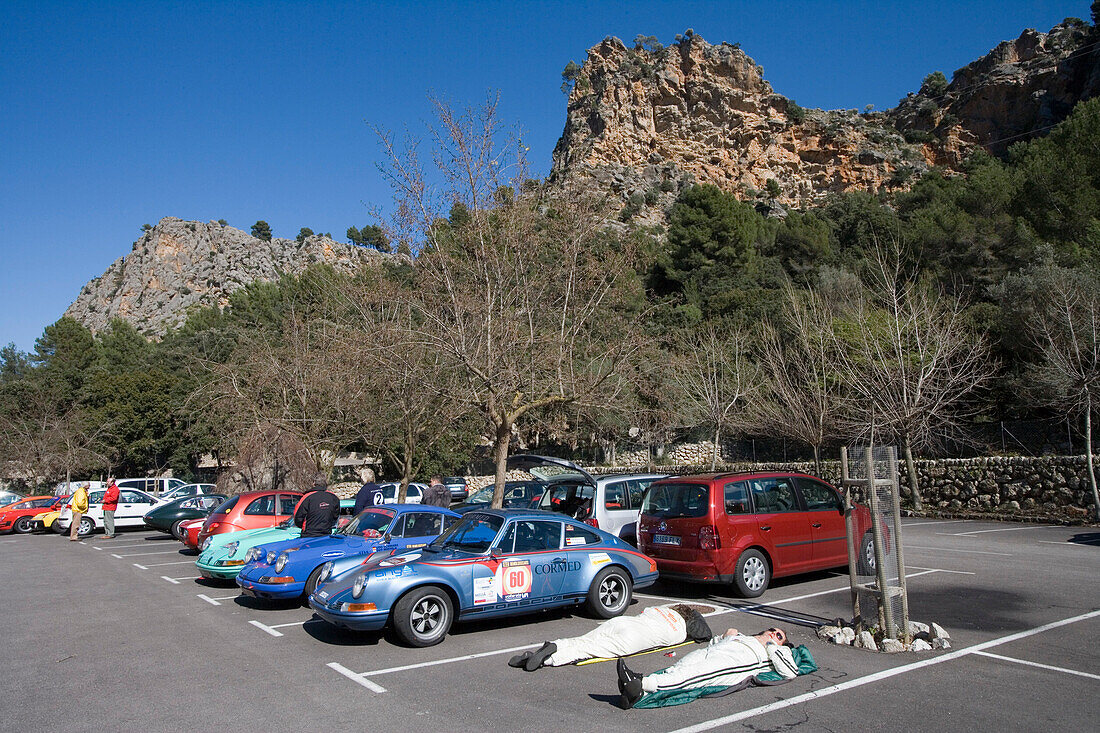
254,553
358,586
231,548
326,572
205,544
271,557
280,562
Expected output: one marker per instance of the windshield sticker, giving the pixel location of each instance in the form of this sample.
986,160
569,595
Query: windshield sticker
484,592
515,579
599,558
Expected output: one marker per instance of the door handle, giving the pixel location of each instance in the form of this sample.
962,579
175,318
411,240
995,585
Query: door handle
766,528
558,559
816,525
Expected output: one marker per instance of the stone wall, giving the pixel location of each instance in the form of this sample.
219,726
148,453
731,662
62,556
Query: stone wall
1048,487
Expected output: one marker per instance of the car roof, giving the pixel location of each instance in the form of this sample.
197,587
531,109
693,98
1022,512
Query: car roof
703,477
519,513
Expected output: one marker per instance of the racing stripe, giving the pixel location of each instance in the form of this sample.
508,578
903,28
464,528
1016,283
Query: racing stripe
707,676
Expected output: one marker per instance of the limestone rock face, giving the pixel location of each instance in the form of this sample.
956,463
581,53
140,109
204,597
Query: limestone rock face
644,122
1018,90
179,264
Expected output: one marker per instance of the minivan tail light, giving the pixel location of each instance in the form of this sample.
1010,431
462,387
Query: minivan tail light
708,538
591,521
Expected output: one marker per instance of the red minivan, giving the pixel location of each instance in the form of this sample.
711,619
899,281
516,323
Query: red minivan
747,528
250,510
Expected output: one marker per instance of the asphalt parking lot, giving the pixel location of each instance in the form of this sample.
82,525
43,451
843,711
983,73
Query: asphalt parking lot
122,634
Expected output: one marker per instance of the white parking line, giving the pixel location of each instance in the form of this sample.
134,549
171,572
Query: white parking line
941,570
925,524
859,682
214,601
155,552
969,552
100,549
1067,543
1007,529
126,547
1040,666
140,567
356,677
171,580
266,628
174,562
189,577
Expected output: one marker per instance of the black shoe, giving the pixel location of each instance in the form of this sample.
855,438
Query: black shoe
519,660
538,657
697,627
630,685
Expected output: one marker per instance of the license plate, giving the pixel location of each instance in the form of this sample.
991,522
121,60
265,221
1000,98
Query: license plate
665,539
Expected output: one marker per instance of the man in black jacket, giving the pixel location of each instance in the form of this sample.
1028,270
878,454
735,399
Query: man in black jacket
369,493
317,511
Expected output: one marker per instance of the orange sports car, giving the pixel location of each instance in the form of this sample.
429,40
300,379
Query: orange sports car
19,517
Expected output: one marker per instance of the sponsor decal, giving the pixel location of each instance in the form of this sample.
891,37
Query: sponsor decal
515,577
599,558
394,573
396,560
574,541
323,595
566,566
484,591
335,553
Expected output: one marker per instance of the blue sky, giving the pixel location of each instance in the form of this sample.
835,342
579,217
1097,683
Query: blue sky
115,114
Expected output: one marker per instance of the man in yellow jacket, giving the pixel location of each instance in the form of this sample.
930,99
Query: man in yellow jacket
79,504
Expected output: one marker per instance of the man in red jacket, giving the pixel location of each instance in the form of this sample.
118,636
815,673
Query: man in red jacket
110,504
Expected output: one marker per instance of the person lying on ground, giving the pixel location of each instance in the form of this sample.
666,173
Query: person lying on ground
654,628
731,660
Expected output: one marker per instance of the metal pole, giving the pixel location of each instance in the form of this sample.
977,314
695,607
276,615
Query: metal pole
877,542
850,525
895,495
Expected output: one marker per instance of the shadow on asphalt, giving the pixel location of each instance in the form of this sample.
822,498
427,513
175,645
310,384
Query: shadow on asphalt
975,607
1086,538
323,631
265,604
215,583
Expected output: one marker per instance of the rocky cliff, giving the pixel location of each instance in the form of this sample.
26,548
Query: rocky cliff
179,264
644,121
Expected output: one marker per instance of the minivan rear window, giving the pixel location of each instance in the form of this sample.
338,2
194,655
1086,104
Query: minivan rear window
671,501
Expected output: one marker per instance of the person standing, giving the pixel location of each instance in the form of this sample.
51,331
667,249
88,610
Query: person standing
369,493
110,504
437,494
317,512
79,504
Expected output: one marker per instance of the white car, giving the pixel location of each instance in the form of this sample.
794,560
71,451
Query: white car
154,486
186,490
132,505
413,494
9,497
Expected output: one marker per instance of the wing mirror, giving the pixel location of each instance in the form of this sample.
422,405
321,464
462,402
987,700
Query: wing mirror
496,552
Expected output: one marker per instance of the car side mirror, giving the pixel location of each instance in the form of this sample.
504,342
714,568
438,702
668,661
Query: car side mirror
387,537
496,552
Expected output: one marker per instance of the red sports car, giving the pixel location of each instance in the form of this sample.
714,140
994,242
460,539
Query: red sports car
251,510
189,532
19,516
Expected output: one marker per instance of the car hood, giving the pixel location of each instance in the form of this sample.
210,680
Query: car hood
548,468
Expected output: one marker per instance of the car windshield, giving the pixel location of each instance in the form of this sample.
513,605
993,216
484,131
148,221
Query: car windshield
376,519
672,501
516,494
475,532
226,505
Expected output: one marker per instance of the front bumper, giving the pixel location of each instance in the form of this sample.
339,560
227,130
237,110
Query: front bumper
357,621
277,591
219,572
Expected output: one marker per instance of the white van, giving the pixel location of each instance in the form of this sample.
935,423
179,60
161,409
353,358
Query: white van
132,505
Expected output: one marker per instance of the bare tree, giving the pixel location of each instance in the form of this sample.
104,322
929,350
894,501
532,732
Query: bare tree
1065,328
803,391
526,297
715,379
269,459
909,361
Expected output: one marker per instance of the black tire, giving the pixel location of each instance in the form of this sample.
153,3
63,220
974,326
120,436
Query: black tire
865,561
56,527
753,574
175,531
86,527
311,584
423,616
24,525
610,593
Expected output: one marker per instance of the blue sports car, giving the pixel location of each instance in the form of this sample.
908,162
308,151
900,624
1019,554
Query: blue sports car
291,568
492,562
